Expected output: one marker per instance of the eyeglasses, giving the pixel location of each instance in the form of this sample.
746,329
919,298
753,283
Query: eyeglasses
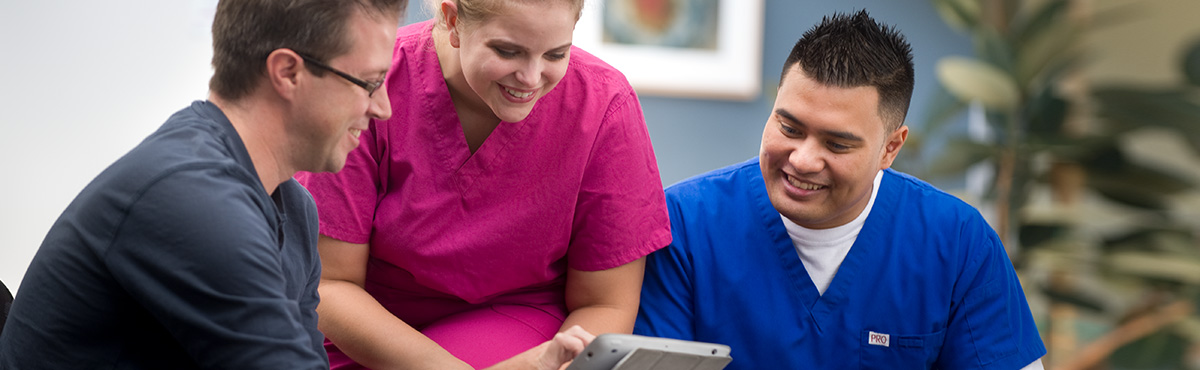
369,86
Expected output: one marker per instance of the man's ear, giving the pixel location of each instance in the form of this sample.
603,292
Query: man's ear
892,145
283,71
450,18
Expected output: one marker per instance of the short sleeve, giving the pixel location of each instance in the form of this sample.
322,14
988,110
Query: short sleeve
990,326
309,295
666,308
666,304
197,253
620,214
347,199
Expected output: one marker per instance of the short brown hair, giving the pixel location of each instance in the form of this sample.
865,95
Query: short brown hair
854,50
245,32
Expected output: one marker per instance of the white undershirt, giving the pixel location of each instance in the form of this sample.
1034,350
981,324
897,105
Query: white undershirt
822,250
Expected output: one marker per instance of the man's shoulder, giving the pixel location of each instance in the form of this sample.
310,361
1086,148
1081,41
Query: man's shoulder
298,203
724,180
911,188
717,186
190,143
191,162
186,150
917,205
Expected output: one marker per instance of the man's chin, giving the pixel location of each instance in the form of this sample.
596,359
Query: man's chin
335,167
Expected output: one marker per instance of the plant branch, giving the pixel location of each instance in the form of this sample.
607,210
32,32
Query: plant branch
1004,183
1138,327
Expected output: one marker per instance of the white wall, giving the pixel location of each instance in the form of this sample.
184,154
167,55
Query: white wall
82,82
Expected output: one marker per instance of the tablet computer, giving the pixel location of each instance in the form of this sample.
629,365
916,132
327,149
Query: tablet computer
637,352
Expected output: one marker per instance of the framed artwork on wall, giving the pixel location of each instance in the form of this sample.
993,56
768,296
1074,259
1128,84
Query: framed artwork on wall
690,48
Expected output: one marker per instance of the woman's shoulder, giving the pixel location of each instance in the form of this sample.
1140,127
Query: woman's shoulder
594,72
413,53
414,31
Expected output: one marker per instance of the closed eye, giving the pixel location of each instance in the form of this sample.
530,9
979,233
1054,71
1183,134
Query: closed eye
505,53
788,130
839,147
558,53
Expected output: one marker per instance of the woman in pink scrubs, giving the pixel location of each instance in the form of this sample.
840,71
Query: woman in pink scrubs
512,194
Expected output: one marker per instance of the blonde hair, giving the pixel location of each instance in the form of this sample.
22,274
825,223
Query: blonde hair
473,11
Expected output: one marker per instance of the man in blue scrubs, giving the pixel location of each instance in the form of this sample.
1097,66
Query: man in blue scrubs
816,255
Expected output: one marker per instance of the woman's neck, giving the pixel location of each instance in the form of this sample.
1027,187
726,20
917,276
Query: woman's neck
476,117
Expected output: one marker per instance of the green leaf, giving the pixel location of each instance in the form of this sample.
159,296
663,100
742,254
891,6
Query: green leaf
1046,112
1126,109
1060,44
943,107
973,80
1173,240
1076,298
1121,194
1074,149
993,48
961,15
1112,175
1163,349
1191,64
1157,266
1033,235
958,155
1058,69
1140,187
1036,22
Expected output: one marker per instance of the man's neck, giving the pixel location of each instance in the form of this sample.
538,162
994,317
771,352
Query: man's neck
260,128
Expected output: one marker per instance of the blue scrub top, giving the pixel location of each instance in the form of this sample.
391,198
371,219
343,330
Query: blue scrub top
927,284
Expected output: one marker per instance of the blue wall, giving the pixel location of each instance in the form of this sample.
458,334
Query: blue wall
693,136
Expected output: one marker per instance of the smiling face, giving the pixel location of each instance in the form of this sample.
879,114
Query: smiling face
335,111
821,149
513,58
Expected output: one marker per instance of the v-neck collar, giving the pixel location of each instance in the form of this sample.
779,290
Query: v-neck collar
821,308
448,135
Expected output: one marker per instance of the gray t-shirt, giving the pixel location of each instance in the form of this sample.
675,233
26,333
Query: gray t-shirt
173,258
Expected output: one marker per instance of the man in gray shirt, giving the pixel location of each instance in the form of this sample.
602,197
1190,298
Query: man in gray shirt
197,249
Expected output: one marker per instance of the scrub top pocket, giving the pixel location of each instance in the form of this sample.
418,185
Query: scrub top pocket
882,350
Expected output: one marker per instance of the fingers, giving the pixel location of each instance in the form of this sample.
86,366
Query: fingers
574,339
554,354
564,347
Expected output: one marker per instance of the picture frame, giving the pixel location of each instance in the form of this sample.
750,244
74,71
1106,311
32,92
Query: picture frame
709,49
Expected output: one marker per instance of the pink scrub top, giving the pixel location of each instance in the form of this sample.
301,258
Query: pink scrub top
575,185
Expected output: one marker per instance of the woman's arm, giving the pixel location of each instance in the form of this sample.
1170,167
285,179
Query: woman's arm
361,327
605,301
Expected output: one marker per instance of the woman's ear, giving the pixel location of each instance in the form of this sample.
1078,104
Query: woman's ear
450,19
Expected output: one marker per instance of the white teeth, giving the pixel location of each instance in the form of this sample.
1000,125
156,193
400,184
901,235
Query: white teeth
355,132
803,185
518,94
